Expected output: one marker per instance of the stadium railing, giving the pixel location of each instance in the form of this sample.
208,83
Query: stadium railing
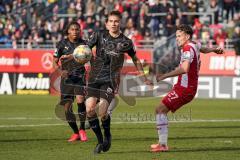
141,44
204,15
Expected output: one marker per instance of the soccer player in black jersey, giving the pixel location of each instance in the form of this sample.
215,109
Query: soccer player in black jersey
111,45
72,80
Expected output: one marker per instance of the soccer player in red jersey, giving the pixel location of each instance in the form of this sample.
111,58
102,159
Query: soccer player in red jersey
186,87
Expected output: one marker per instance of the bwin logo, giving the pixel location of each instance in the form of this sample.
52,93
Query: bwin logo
32,82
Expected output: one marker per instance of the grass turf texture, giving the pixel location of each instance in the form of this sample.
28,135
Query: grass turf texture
30,130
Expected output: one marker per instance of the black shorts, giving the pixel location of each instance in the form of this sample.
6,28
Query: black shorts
69,91
101,90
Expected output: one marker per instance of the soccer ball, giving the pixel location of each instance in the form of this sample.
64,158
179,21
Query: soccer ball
82,54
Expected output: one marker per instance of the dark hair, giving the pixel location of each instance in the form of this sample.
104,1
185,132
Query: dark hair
186,29
114,13
69,25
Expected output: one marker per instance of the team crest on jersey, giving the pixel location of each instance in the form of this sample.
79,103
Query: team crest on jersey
186,55
109,90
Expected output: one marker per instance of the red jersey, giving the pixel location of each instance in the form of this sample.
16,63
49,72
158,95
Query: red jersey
184,91
190,52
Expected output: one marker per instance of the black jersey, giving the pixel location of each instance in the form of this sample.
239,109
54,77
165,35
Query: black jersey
76,70
108,62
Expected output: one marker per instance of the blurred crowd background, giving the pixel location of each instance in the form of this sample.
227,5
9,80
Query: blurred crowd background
40,23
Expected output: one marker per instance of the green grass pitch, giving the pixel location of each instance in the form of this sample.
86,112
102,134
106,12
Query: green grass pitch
201,130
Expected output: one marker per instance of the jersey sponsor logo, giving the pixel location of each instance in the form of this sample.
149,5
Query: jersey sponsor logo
117,48
112,53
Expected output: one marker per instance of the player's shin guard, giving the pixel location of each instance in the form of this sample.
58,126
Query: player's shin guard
106,126
162,127
82,115
94,124
71,119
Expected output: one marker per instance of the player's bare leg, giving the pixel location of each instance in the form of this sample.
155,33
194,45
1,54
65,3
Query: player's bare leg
82,117
106,120
94,122
162,127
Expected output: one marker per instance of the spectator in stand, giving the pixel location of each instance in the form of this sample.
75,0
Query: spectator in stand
220,37
213,7
182,18
125,18
164,8
136,37
236,40
237,6
119,7
154,20
6,39
192,7
129,28
80,6
90,7
228,6
144,11
142,27
135,8
183,5
98,26
148,35
197,28
90,25
236,19
110,5
230,27
205,36
71,9
169,25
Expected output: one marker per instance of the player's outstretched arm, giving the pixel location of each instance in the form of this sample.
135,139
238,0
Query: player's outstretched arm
216,50
184,68
139,67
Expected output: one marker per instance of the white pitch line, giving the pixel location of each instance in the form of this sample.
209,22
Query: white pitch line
124,122
26,118
31,125
183,121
